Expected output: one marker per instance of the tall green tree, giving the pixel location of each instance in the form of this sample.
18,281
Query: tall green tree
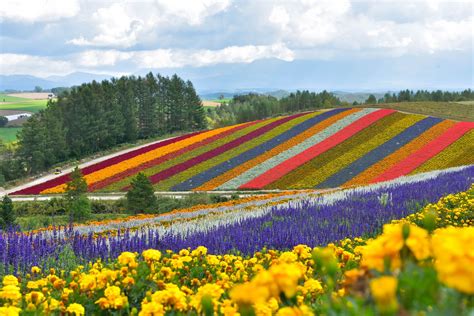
79,205
371,99
141,197
7,213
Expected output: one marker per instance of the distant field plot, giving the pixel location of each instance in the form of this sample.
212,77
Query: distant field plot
9,98
24,105
8,134
460,111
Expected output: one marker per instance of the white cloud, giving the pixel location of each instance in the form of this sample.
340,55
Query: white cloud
174,58
114,27
97,61
309,22
99,58
38,10
192,12
373,27
33,65
124,23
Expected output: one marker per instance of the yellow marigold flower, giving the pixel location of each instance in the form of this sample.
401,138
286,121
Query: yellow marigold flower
127,259
151,255
286,276
302,251
313,286
127,281
10,311
454,258
152,309
288,257
53,304
32,285
199,251
212,291
34,297
167,272
10,292
388,245
384,290
228,308
249,294
35,270
295,311
76,309
184,252
10,280
213,260
171,296
88,282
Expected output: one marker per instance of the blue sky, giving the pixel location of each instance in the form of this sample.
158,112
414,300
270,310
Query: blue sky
338,44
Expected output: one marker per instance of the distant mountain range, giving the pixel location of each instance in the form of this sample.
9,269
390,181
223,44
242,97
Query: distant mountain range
28,83
272,75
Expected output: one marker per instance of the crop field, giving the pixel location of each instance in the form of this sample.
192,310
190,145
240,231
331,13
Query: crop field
289,252
24,105
326,149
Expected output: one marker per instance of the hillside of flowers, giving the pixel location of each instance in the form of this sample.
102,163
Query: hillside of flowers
324,149
410,262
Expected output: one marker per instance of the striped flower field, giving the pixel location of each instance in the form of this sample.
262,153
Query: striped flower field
325,149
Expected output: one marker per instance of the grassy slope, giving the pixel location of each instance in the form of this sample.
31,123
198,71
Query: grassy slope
450,110
8,134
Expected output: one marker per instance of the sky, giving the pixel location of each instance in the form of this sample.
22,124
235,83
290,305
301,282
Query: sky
337,44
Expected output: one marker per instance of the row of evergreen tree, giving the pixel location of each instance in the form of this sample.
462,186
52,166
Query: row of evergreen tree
250,107
99,115
423,95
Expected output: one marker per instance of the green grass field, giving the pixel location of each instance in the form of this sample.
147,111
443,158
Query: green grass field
8,134
450,110
24,105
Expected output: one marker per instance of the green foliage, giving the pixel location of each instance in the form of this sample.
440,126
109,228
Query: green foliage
97,116
371,99
249,107
141,197
7,214
77,186
79,205
425,95
80,208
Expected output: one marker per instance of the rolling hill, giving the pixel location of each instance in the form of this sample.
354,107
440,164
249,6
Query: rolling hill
333,148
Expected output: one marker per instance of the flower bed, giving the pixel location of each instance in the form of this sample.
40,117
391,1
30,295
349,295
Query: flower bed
340,147
409,268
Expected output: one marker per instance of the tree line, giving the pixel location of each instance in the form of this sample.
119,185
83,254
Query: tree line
423,95
99,115
252,106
